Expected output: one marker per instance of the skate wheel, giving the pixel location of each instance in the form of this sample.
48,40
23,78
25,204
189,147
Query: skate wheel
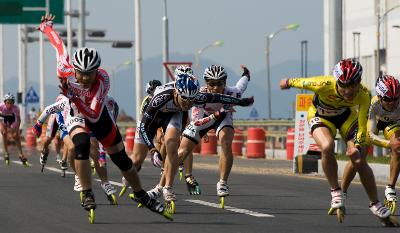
180,175
167,215
331,211
63,173
139,205
81,198
94,171
113,199
91,216
392,205
131,196
8,162
340,215
222,202
122,192
170,207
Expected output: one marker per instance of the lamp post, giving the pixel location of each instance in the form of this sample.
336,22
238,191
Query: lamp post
217,43
113,73
269,37
378,36
304,60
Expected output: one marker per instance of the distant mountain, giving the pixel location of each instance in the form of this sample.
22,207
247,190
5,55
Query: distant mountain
123,84
282,101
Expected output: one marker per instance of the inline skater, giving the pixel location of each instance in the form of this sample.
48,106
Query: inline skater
150,88
169,109
384,114
204,119
334,103
11,120
86,85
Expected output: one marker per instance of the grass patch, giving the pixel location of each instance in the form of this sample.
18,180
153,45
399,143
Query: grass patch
370,159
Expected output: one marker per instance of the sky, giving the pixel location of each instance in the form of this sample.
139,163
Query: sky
193,24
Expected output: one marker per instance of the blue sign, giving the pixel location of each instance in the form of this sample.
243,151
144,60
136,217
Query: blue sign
254,113
31,96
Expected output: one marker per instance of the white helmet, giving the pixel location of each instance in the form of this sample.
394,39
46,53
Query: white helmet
215,72
86,59
9,96
183,69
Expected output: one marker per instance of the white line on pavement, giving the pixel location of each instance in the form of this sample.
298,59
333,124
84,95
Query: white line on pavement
233,209
229,208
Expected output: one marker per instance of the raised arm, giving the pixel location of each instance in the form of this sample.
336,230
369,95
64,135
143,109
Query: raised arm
203,98
64,68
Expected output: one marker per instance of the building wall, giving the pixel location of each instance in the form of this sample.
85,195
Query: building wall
360,16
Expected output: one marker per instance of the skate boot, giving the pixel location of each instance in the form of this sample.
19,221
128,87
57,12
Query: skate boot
192,185
77,185
102,159
169,199
155,192
7,158
383,213
337,204
390,199
64,167
110,191
24,161
154,205
58,157
43,158
180,172
222,192
88,203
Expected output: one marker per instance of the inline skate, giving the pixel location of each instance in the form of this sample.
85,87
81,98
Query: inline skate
383,214
192,186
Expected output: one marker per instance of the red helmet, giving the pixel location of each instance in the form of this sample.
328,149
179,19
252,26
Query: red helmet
387,86
348,71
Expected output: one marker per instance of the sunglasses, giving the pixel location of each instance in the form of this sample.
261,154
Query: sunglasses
347,85
386,99
187,98
216,84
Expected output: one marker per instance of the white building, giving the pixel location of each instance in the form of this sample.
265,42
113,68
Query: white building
360,35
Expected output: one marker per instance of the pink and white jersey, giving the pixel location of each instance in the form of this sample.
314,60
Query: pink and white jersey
207,109
90,102
11,117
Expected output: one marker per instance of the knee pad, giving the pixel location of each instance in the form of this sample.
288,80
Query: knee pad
82,146
121,159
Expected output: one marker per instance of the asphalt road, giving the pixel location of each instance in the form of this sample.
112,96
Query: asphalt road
264,198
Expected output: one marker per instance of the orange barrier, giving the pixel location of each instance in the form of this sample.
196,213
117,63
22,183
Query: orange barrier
255,143
197,149
290,144
209,147
30,138
129,139
237,143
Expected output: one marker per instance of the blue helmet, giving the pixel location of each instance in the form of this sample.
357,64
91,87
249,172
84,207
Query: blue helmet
186,85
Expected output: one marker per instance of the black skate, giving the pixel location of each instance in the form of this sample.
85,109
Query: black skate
154,205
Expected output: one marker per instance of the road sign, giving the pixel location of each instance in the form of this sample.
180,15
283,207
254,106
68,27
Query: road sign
30,11
254,113
171,66
31,96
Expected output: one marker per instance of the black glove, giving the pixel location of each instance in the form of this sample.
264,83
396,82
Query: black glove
246,101
246,72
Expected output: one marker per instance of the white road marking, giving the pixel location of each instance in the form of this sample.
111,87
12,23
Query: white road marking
205,203
233,209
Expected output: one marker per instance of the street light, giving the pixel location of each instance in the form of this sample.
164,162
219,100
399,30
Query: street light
217,43
378,36
113,71
269,37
